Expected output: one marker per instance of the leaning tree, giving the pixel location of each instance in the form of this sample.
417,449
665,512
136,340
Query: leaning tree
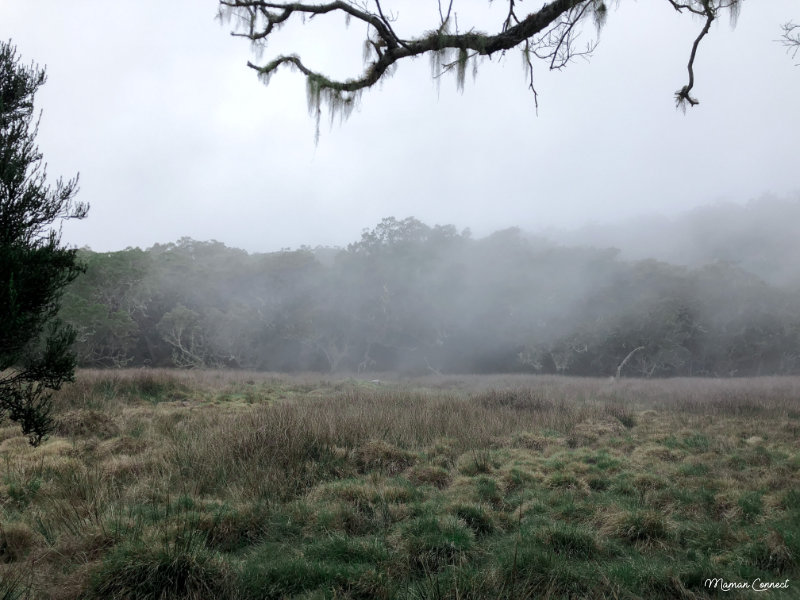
35,352
550,34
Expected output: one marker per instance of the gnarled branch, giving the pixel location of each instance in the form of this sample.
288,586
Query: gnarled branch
708,10
548,33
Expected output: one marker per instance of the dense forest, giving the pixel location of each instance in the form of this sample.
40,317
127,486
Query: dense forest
414,298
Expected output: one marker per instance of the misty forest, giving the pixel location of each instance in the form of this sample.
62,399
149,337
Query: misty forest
711,293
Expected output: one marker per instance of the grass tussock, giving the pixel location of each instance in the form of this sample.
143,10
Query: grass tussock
213,484
180,570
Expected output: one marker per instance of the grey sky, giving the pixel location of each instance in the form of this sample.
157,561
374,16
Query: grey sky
174,136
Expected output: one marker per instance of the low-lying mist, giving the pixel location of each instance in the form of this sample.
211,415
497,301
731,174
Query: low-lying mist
761,237
711,293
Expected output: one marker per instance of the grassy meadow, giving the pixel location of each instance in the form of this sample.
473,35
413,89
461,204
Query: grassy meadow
234,485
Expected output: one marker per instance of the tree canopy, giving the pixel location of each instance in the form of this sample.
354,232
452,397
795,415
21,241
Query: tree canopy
414,298
34,267
550,34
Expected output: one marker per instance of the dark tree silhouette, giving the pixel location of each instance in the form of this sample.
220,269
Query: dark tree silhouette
34,267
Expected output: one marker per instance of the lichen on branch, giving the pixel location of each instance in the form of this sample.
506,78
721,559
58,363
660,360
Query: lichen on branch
549,34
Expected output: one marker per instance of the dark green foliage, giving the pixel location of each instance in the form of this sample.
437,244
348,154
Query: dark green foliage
106,304
274,571
34,268
572,541
172,571
21,493
791,500
658,578
602,461
693,469
487,490
344,549
696,443
597,483
432,542
751,505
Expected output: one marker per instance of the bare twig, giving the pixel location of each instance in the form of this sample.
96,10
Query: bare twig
791,38
708,10
445,18
683,95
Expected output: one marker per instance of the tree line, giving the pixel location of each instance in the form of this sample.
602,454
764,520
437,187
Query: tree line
414,298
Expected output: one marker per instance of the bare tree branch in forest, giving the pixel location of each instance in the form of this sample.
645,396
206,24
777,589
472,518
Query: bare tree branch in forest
791,38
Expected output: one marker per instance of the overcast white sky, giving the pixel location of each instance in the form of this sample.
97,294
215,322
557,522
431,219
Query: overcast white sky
173,135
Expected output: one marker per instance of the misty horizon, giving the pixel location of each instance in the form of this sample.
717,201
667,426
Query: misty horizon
667,237
712,296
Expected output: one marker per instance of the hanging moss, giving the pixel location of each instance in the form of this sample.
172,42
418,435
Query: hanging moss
600,11
369,49
322,91
461,68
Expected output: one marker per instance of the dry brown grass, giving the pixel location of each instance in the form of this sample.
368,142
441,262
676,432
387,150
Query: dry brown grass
139,454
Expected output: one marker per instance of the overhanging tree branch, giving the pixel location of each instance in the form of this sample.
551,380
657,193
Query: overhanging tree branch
708,10
548,33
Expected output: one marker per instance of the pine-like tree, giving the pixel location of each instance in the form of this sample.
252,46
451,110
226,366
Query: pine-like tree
35,352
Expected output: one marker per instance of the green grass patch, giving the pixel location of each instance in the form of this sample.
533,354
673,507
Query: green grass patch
271,572
432,541
182,569
693,469
476,516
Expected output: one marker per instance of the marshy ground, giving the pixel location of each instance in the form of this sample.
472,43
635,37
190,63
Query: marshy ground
212,484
